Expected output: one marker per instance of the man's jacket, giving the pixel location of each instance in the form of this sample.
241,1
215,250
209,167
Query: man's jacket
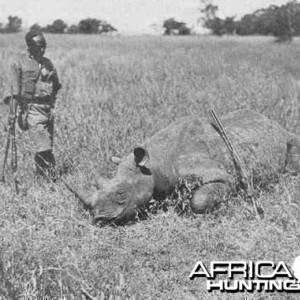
35,81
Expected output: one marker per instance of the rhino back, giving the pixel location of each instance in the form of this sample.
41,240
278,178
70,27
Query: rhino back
193,145
259,141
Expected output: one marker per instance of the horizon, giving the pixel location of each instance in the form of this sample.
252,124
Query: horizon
128,17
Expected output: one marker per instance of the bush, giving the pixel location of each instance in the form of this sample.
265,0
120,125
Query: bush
58,26
13,26
172,27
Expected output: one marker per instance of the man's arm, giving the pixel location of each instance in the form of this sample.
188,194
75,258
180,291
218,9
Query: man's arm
51,76
56,83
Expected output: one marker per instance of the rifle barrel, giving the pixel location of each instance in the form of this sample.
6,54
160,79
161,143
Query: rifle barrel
14,158
222,131
5,156
11,142
244,174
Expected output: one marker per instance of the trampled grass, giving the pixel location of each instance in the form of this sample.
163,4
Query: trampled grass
117,91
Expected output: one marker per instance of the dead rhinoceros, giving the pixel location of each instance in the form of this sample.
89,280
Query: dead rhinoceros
192,146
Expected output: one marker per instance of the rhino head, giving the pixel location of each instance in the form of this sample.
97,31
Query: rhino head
118,199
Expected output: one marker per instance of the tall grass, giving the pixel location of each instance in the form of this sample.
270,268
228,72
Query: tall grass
117,91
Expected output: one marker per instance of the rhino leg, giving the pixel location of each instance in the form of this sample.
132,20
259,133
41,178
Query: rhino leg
214,177
208,196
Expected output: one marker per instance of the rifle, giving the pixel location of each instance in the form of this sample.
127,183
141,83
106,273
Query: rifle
11,141
245,177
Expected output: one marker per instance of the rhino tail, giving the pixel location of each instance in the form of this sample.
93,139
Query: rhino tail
80,195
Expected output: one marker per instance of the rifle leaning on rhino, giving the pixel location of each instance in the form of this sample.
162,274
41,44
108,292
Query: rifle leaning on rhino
245,177
11,141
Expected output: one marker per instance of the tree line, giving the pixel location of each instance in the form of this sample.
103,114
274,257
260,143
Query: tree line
86,26
282,21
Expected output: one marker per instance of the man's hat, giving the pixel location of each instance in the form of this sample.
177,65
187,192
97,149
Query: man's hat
35,38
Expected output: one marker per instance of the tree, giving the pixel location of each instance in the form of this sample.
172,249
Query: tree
229,25
264,20
216,25
287,20
210,20
58,26
73,29
36,27
14,24
89,26
173,27
208,12
247,25
104,27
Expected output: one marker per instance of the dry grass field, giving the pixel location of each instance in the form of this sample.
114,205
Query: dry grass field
117,91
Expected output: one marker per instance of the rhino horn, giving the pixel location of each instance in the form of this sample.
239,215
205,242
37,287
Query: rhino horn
141,156
82,196
100,182
116,160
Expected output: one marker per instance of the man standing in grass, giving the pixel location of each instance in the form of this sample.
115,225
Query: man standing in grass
35,84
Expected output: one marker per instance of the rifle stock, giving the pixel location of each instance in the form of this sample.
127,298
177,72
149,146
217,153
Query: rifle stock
238,161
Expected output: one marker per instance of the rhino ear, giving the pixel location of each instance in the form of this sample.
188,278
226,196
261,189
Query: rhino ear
141,156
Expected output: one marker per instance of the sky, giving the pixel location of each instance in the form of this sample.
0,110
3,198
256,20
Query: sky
128,16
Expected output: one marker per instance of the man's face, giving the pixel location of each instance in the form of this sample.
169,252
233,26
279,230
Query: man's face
37,51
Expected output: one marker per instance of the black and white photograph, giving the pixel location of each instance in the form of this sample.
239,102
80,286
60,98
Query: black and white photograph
150,150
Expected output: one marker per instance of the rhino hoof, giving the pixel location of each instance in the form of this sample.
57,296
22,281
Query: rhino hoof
207,197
